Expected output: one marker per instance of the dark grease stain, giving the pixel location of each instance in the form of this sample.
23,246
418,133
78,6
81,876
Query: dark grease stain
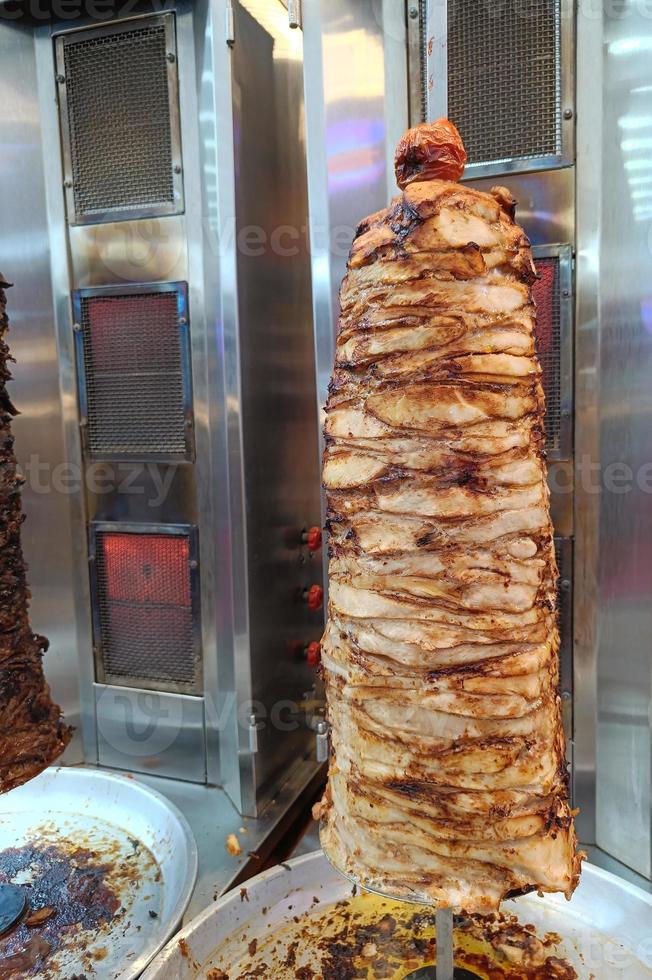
70,881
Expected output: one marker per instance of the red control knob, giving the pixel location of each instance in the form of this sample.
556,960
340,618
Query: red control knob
315,597
313,538
313,654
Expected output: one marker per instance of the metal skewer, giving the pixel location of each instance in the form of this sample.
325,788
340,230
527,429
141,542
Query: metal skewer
444,968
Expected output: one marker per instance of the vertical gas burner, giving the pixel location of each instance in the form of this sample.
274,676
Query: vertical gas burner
145,606
133,369
504,78
119,109
552,293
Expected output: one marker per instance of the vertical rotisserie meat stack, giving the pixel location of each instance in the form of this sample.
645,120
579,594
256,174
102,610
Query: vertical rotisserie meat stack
32,734
448,781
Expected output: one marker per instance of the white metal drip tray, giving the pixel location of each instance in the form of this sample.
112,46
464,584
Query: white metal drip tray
301,920
109,867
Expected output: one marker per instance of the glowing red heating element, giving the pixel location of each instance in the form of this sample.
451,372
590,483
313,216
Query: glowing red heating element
146,568
125,330
145,606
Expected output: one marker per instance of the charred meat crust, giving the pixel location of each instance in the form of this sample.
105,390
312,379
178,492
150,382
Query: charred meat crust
32,733
448,778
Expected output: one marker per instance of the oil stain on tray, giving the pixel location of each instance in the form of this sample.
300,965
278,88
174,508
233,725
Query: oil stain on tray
369,938
80,895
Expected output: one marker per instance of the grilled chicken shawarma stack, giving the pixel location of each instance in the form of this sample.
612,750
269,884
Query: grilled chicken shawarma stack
32,734
447,781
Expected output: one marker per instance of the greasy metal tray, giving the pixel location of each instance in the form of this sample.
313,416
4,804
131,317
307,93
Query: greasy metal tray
604,932
115,863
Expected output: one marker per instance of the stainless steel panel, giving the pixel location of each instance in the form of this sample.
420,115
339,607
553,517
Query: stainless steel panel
146,250
149,732
624,606
72,459
119,108
279,418
416,48
216,371
25,261
352,130
353,122
545,203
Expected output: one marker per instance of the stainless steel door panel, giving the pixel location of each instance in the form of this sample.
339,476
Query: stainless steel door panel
150,732
277,375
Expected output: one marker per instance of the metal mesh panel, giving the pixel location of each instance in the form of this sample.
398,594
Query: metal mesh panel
546,295
144,607
133,375
504,78
119,120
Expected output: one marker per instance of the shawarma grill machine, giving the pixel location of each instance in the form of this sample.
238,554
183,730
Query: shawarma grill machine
162,324
181,185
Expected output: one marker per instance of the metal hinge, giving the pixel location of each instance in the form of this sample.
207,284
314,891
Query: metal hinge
229,25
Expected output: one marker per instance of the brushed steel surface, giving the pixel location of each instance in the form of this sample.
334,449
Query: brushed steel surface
213,292
545,203
356,110
151,732
587,398
278,400
564,553
435,58
415,65
624,609
25,261
145,250
79,667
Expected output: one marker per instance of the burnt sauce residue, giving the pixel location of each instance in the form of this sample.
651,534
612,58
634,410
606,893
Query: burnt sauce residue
368,938
68,893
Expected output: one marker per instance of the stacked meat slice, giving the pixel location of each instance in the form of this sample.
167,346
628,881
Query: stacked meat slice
32,734
447,781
